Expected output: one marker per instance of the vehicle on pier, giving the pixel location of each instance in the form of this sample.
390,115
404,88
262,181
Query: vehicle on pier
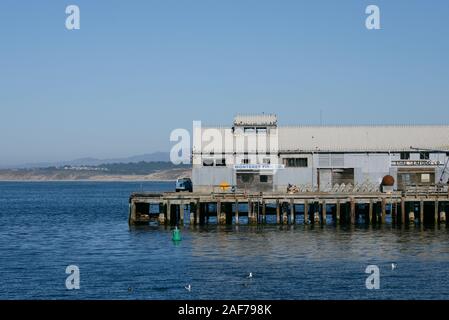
184,184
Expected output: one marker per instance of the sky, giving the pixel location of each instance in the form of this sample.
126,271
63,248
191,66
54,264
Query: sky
136,70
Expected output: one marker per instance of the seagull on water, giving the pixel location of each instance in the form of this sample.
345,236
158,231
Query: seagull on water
250,275
393,266
188,287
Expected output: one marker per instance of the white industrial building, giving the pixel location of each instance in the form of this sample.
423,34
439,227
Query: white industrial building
256,154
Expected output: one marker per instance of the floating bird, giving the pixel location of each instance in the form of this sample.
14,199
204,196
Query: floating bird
188,287
393,266
250,275
130,289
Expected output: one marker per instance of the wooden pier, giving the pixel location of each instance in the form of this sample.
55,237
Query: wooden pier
172,208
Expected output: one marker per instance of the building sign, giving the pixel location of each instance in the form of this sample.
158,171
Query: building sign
415,163
258,166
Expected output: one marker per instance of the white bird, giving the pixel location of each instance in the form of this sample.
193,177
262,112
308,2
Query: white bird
393,266
188,287
250,275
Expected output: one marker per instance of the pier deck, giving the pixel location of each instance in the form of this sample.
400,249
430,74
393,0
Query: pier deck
179,208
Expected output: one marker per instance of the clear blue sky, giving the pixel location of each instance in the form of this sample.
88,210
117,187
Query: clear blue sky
138,69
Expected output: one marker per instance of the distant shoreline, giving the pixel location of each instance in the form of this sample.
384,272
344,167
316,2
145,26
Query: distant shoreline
86,180
64,176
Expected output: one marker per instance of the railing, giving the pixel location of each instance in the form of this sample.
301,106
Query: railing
411,189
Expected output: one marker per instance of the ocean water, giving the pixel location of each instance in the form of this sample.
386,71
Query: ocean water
46,226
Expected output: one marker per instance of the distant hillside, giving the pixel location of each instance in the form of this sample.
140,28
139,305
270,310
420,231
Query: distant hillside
108,171
149,157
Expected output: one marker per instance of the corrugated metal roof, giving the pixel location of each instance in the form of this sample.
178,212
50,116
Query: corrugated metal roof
255,119
363,138
374,138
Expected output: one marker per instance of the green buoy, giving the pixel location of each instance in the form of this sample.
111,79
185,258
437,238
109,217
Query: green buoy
176,235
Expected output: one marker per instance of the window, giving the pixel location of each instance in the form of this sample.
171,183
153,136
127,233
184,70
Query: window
263,178
220,162
266,161
245,161
425,178
424,156
247,178
249,130
296,162
261,130
405,155
208,162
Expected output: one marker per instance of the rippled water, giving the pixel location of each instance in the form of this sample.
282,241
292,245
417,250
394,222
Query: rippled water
45,227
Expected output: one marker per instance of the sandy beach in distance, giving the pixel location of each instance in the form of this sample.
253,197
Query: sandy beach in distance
162,175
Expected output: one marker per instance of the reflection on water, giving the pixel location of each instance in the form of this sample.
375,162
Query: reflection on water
46,226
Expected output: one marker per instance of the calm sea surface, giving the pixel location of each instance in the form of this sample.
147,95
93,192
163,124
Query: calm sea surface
44,227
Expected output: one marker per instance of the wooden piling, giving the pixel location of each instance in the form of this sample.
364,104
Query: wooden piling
220,219
323,213
292,212
421,212
192,213
383,211
264,212
306,212
132,214
338,211
395,213
370,212
284,213
198,212
168,219
437,211
236,212
278,212
181,214
403,210
352,211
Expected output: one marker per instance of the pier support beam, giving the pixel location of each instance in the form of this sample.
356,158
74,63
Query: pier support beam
411,214
132,213
221,218
252,220
394,213
278,212
192,213
403,211
338,211
284,213
236,212
168,218
437,210
352,211
292,212
383,214
264,212
421,212
181,214
370,212
306,212
323,212
198,212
